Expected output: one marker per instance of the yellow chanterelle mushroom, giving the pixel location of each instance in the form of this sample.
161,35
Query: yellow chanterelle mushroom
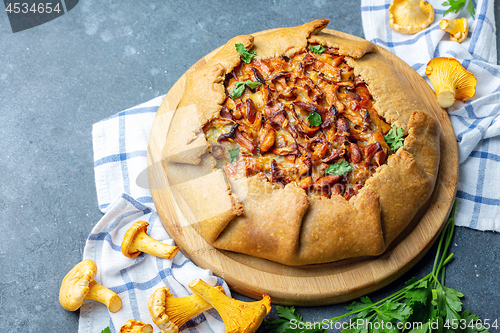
170,313
457,28
136,240
451,81
79,284
135,326
238,316
410,16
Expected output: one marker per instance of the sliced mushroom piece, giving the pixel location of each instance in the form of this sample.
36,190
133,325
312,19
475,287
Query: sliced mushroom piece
228,135
355,153
244,142
326,182
267,137
410,16
258,75
339,152
307,106
450,80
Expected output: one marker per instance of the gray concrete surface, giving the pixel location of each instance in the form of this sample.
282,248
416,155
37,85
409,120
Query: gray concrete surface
59,78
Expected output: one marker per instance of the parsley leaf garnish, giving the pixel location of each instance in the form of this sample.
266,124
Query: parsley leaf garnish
106,330
239,87
340,168
318,49
233,154
394,137
456,5
425,305
314,119
287,325
247,56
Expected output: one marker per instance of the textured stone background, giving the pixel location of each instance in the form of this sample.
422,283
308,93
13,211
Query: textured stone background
102,57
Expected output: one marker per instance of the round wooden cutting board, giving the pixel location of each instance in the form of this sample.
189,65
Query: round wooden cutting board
313,284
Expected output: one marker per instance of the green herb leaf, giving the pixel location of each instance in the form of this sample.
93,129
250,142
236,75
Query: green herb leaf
106,330
447,301
340,168
471,324
456,5
247,56
252,84
288,312
292,322
314,119
471,9
233,154
239,87
394,137
318,49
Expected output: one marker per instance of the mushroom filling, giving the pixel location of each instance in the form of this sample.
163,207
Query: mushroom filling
306,119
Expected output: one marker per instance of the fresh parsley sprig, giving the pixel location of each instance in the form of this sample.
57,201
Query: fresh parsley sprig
287,325
106,330
239,87
314,119
341,168
394,137
318,49
246,56
456,5
427,301
233,154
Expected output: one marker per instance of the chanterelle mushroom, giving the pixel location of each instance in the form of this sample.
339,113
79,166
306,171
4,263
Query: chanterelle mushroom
410,16
134,326
136,241
450,81
457,28
79,284
170,313
238,316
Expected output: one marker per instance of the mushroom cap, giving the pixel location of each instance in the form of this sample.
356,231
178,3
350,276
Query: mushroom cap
450,80
134,326
75,285
137,227
156,306
458,28
410,16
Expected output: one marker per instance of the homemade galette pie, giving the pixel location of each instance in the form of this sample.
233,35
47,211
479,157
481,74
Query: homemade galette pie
300,147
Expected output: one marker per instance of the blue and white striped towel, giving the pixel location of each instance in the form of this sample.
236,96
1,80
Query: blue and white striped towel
120,144
477,122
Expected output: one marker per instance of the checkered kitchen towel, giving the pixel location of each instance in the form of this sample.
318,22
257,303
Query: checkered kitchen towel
120,144
477,122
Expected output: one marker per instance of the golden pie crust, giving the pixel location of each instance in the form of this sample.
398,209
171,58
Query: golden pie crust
285,224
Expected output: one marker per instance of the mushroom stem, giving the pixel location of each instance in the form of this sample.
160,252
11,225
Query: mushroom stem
446,97
105,296
237,316
144,243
